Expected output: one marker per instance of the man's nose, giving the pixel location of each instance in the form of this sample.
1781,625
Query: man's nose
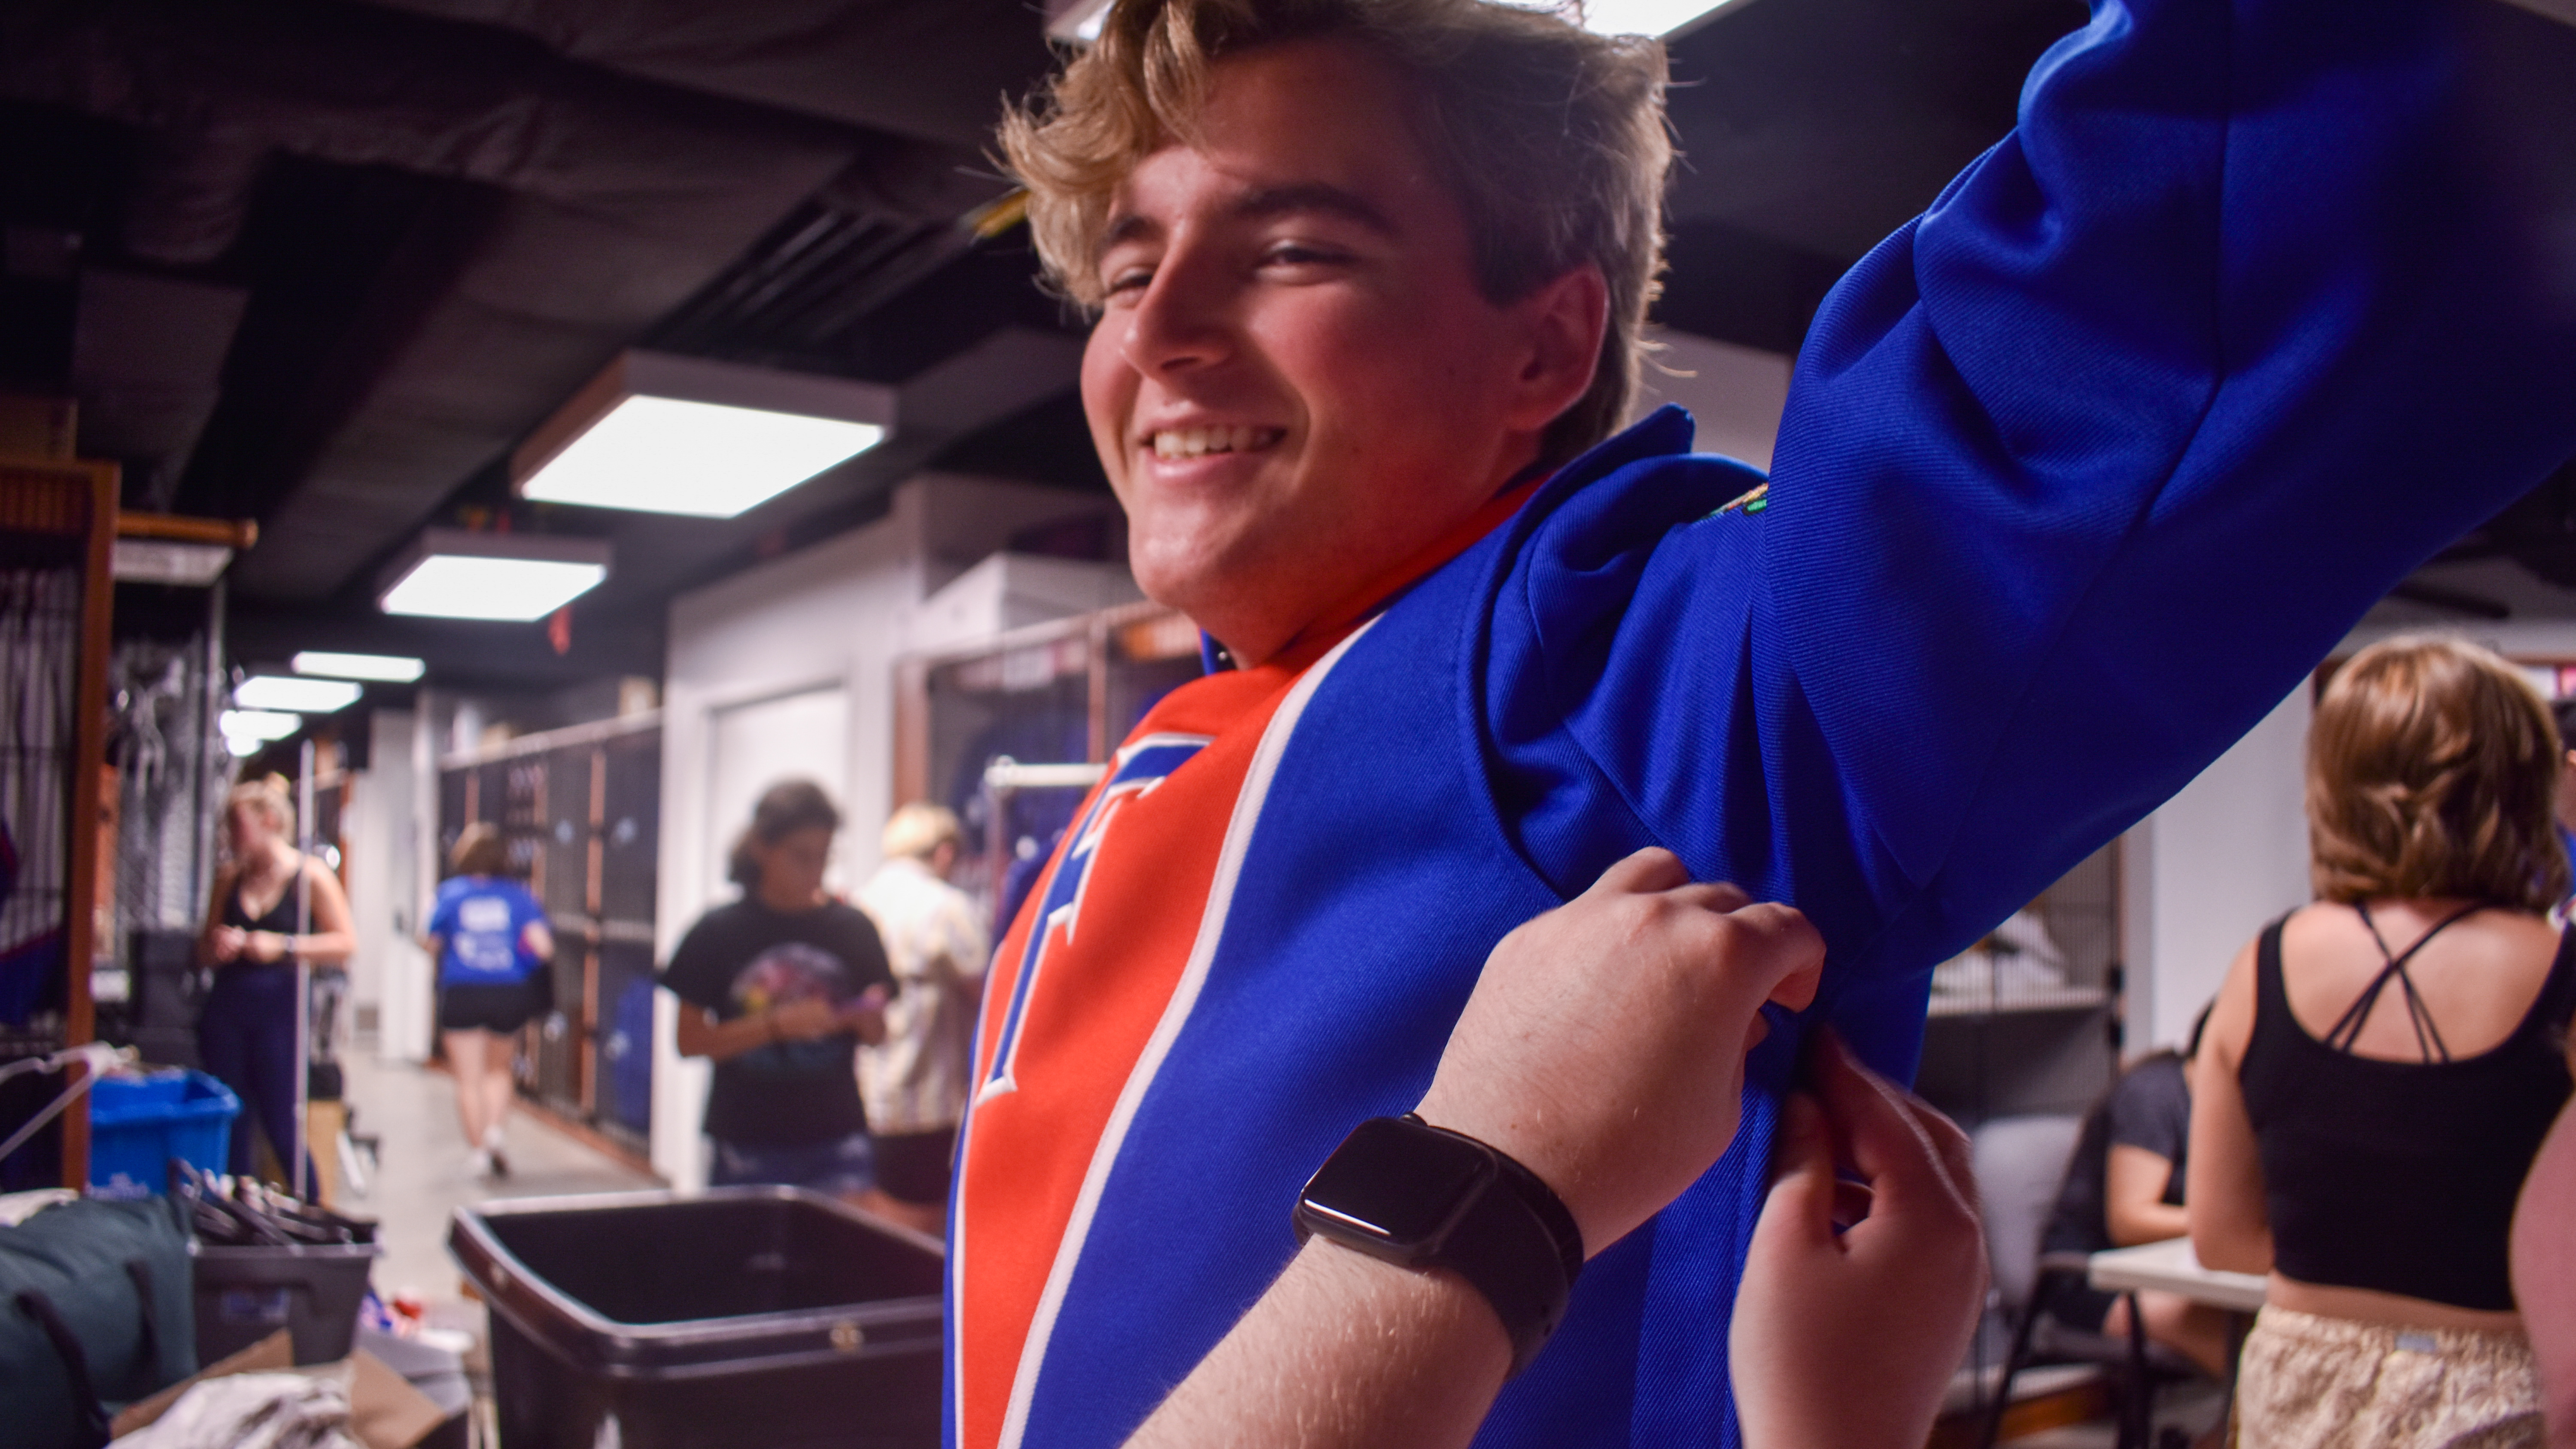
1180,323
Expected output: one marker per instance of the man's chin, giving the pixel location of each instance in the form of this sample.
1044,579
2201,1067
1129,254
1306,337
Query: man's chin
1227,601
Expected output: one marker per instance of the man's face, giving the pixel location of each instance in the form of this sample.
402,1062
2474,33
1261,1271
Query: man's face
1295,384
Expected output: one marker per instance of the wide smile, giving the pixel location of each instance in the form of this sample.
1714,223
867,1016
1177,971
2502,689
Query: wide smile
1175,444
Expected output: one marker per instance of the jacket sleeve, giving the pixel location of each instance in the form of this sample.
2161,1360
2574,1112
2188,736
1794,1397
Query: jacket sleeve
2081,472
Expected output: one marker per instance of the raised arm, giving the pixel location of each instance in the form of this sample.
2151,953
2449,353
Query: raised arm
2081,472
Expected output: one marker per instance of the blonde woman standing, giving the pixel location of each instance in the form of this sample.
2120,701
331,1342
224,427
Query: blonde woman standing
2382,1066
272,905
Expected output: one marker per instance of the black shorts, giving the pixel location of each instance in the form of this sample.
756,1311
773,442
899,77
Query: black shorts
913,1166
497,1008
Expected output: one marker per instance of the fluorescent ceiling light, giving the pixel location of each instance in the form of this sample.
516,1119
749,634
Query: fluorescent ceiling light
663,434
241,746
257,724
449,573
445,586
1076,20
391,667
287,692
163,561
1666,18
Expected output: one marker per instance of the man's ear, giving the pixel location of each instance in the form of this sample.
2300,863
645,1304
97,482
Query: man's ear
1563,320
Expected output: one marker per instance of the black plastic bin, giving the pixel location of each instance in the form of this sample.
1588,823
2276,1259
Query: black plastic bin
245,1294
743,1318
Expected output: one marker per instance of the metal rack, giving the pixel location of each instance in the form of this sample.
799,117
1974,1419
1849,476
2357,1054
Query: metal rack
2027,1020
57,524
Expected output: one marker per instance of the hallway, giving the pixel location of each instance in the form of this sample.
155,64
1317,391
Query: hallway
422,1178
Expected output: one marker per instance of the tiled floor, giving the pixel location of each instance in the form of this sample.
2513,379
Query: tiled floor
422,1176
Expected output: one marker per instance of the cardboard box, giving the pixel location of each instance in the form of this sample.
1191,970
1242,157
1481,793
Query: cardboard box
385,1411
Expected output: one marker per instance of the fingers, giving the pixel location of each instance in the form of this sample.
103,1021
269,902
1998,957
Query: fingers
1953,1153
1770,953
1766,943
1655,870
1715,895
1651,869
1908,1156
1794,946
1800,1206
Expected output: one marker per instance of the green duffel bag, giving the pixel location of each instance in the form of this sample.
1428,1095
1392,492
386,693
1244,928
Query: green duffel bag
97,1308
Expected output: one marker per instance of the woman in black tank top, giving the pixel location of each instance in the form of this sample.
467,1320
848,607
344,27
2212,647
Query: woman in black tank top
272,906
2381,1066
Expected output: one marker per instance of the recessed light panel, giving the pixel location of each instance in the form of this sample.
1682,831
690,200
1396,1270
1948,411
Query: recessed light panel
662,433
245,730
1636,17
391,667
1078,20
258,724
290,692
704,460
469,586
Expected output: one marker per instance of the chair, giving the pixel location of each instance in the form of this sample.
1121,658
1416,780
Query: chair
2020,1162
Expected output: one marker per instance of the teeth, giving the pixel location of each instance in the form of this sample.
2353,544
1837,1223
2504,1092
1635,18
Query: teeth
1198,442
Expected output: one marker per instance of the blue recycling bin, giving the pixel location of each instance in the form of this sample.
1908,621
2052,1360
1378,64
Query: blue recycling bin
137,1124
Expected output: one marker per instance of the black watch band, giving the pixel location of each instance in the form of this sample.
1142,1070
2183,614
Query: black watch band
1425,1197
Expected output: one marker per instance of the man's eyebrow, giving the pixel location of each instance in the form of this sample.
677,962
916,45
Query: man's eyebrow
1275,201
1261,204
1126,226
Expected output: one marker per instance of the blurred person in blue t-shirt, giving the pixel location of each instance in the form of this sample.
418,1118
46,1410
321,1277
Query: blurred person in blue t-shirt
492,945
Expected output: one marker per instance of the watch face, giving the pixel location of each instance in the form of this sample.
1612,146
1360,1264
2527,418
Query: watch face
1396,1182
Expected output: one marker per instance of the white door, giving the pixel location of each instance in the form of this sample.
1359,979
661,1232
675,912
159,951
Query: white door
805,735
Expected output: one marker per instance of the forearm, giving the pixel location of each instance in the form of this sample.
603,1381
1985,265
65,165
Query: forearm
2148,1223
703,1036
321,948
1343,1352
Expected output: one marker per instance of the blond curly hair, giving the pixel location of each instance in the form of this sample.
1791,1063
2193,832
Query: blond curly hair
1552,140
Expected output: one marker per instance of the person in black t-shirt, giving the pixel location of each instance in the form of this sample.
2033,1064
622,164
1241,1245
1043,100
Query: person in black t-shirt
778,989
2124,1187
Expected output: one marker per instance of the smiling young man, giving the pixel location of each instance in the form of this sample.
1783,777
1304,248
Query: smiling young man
2081,472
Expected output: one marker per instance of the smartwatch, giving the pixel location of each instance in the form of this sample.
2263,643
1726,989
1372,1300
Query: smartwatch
1423,1197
